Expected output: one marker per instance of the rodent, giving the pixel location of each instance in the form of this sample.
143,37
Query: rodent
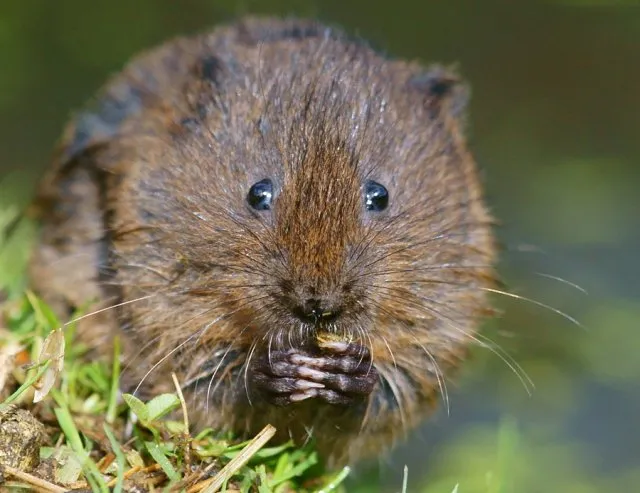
288,220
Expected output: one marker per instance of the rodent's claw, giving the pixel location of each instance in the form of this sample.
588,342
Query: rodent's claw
284,385
351,384
295,375
342,364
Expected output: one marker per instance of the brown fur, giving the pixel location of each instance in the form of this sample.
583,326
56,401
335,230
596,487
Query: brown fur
147,198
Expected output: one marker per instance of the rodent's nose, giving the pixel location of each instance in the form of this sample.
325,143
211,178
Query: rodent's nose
314,310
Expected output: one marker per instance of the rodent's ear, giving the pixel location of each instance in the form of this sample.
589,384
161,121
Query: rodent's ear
210,69
442,90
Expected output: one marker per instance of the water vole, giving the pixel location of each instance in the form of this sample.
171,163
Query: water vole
289,221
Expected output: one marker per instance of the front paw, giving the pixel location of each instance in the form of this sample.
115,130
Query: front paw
342,374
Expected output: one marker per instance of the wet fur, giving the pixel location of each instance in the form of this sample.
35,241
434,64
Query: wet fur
146,201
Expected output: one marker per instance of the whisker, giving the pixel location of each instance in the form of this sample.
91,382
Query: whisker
270,332
140,351
440,377
393,358
496,349
246,370
535,302
143,267
246,300
382,371
368,336
365,334
202,313
492,290
199,333
215,372
484,342
102,310
443,235
564,281
164,358
361,248
436,267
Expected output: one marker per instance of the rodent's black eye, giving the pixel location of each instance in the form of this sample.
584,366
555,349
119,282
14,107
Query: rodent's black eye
376,196
260,195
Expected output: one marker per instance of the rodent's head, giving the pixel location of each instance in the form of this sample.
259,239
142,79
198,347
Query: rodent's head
301,187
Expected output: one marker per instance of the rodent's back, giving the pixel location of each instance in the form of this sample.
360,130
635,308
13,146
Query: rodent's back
263,188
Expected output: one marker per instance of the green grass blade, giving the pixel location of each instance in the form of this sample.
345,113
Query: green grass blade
121,460
68,427
158,455
115,378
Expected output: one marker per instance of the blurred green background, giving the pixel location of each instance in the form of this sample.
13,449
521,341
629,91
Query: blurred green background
555,116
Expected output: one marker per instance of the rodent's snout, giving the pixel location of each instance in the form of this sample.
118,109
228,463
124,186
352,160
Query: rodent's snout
316,309
315,305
